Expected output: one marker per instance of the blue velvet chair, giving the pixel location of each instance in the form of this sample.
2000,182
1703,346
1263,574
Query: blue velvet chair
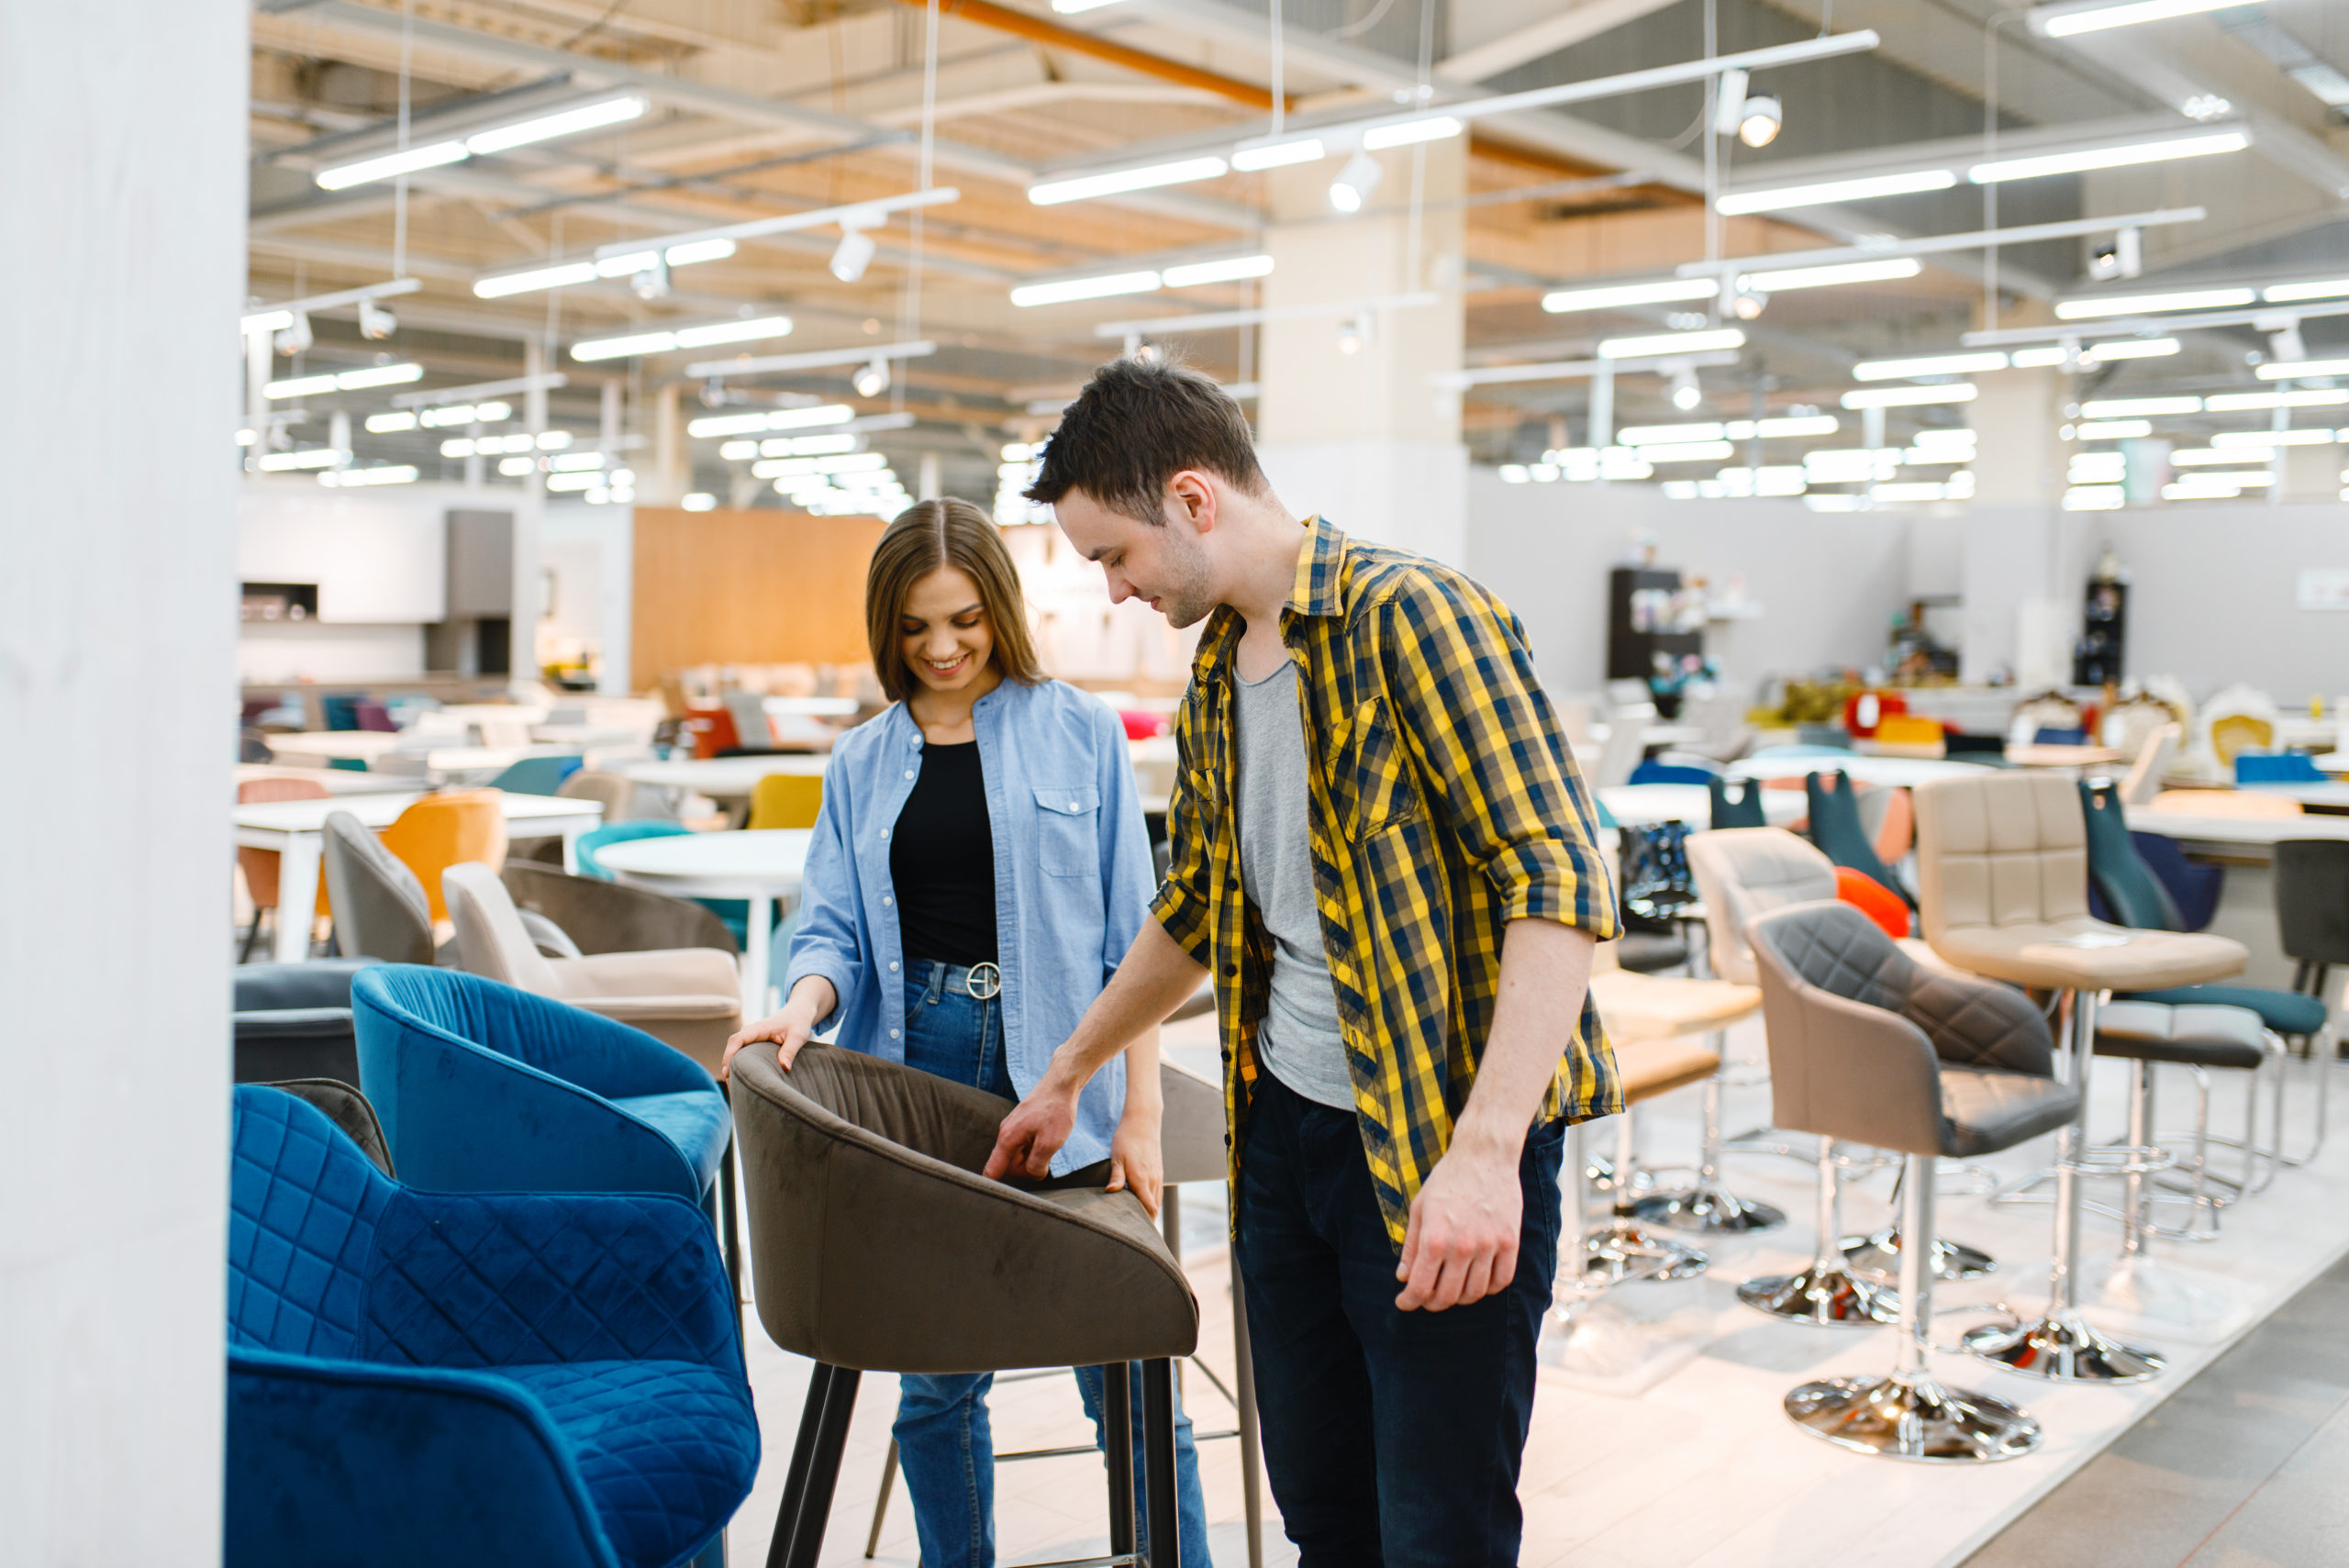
1653,772
469,1380
536,775
481,1087
2277,767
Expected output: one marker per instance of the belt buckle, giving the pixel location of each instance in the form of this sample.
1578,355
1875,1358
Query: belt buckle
979,976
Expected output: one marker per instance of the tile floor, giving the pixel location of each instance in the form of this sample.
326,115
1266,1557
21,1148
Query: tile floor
1701,1470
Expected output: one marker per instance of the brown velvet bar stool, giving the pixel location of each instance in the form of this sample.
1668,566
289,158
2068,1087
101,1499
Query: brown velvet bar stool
2003,889
1870,1046
875,1246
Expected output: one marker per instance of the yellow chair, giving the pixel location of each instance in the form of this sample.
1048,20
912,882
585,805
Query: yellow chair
2241,732
446,829
1907,735
787,800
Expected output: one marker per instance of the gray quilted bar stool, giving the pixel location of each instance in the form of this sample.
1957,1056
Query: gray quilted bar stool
875,1246
2003,889
1867,1045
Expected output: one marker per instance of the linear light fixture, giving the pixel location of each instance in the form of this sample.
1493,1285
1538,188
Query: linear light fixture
1249,158
2138,304
563,274
818,359
269,318
1929,364
854,215
309,457
1664,345
1687,451
1115,182
345,380
1101,285
2063,21
2296,369
773,419
2129,348
590,115
389,474
2112,430
1212,320
2261,438
390,424
2139,407
2245,402
1659,435
2326,288
1435,128
1827,277
682,338
1973,239
2200,144
1230,269
1904,396
1607,296
1820,193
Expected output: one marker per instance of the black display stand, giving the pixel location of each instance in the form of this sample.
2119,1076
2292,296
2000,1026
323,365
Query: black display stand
2098,658
1631,652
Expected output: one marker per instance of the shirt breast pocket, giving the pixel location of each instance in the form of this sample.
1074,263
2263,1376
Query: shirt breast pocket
1068,829
1373,771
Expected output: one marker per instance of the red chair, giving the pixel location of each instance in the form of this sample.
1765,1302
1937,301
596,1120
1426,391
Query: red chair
713,731
1873,899
1862,711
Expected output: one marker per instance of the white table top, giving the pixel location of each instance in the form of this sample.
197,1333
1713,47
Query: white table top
334,781
360,743
2236,829
381,810
2306,794
2034,755
1656,734
737,864
1642,806
1904,771
723,778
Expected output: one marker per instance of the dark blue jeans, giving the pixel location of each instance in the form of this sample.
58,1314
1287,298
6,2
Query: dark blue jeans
1392,1439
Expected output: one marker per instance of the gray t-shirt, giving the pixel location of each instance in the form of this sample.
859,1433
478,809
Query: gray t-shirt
1298,1040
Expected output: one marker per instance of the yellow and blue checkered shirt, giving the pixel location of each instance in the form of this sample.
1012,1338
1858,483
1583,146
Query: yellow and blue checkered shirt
1444,805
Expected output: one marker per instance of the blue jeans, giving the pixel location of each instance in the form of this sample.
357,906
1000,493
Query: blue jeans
944,1441
1392,1439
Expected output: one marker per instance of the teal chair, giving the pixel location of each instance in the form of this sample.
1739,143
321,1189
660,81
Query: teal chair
733,911
536,775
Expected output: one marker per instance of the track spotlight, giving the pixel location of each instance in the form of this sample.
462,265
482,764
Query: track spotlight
375,322
1686,393
652,283
1355,183
1353,332
873,379
1748,303
293,337
1757,122
854,254
713,394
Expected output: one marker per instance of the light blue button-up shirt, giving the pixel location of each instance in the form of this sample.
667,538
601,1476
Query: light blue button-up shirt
1072,882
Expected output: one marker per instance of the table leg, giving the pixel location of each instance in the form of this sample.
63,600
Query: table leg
297,895
754,958
571,846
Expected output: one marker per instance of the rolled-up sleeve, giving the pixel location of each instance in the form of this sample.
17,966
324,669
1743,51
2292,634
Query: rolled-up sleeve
830,938
1181,905
1489,751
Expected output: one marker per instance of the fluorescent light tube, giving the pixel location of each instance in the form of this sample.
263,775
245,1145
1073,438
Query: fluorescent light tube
1796,425
694,250
1609,295
2040,358
561,275
1097,287
2294,370
2261,438
515,467
1929,364
734,331
2327,288
385,166
1077,188
2243,402
1910,490
2138,407
575,463
1904,396
563,122
773,419
309,457
1663,435
1665,344
1819,194
390,424
699,501
2131,349
624,348
1687,451
298,386
563,483
2151,304
1232,269
807,446
378,375
1278,154
457,446
1827,277
2119,157
2112,430
1378,139
2094,15
401,473
627,265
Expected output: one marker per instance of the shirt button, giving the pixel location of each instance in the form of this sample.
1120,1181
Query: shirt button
886,901
893,966
893,1034
1230,972
909,773
884,832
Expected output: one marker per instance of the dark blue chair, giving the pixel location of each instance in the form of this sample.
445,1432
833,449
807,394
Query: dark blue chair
1743,810
2277,767
1651,771
481,1087
1836,828
469,1380
2059,738
2193,886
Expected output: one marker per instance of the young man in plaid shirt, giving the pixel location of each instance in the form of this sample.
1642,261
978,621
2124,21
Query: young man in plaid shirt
1383,854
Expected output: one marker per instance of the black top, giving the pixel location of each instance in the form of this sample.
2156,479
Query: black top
941,859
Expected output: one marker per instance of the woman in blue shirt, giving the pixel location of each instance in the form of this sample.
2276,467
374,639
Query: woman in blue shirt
979,867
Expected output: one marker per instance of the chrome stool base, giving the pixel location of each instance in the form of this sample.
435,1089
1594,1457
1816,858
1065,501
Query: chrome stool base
1621,1251
1912,1417
2062,1347
1879,1256
1709,1209
1825,1297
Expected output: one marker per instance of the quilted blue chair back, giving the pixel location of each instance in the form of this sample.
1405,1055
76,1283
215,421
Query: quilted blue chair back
2277,767
303,1203
2123,882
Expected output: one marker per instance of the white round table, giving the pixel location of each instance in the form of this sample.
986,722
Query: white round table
762,868
724,778
1644,806
1905,772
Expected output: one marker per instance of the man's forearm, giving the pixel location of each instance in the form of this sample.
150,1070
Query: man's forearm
1154,978
1545,970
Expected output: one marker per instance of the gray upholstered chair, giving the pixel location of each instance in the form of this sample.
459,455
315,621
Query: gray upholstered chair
877,1247
293,1021
347,1109
690,997
380,909
1869,1045
2002,872
611,917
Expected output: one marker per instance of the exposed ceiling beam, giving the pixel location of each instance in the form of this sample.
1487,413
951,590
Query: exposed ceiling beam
1052,35
1547,36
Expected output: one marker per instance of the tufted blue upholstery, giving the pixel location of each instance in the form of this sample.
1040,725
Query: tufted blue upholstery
486,1379
481,1087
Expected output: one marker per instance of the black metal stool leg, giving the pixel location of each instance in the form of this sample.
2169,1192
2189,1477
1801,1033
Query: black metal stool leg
1117,1419
1164,1521
815,1468
803,1454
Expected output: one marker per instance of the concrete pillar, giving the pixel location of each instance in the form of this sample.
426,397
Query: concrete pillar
664,480
530,519
2024,564
1347,423
117,629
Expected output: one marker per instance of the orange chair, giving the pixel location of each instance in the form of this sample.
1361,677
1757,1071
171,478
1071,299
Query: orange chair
1872,898
713,731
787,800
446,829
1907,735
261,865
1896,830
1865,712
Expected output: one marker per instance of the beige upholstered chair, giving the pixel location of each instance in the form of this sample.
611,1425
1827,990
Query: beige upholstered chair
2002,888
2154,758
690,997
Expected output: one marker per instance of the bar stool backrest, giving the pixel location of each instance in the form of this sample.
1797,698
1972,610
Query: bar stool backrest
1743,872
2005,849
2312,899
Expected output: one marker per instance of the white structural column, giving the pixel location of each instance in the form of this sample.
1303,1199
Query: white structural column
123,184
1361,435
529,522
2024,567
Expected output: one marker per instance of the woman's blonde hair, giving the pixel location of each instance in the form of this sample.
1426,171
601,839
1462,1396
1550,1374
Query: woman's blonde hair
925,537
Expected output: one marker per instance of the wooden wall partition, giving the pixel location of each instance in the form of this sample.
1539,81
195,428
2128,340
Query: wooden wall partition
758,587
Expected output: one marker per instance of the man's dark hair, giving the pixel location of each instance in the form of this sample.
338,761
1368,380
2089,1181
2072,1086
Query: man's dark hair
1137,424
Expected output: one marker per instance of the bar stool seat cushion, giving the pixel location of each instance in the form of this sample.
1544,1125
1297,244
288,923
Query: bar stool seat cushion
1653,1067
2083,953
1988,1111
2199,1037
1644,952
1649,1007
2286,1012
